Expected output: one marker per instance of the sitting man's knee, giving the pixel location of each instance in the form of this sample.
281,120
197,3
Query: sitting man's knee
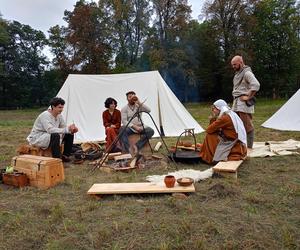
55,138
149,132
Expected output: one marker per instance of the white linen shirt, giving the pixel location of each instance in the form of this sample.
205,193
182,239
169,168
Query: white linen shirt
45,125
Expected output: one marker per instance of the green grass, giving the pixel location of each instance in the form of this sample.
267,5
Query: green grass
258,211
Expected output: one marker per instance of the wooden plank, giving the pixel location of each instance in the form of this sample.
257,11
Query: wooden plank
112,155
227,166
137,188
122,157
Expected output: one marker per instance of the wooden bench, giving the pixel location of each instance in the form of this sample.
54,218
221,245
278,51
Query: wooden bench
227,168
137,188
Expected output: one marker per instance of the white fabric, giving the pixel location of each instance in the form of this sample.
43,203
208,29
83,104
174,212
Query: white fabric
44,125
236,120
274,148
197,175
85,96
287,117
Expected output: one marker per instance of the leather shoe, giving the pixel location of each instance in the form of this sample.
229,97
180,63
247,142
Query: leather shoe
65,158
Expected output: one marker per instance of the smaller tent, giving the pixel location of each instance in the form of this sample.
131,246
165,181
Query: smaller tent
85,96
287,117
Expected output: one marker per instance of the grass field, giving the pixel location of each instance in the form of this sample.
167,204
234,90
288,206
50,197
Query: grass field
261,210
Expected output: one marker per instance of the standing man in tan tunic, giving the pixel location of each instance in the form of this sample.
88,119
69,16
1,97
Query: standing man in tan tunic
245,86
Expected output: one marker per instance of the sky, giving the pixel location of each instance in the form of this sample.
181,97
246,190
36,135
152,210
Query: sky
43,14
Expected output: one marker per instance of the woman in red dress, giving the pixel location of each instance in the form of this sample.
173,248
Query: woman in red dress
112,122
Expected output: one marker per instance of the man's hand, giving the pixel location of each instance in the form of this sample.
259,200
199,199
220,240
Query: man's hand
73,129
244,98
138,101
138,129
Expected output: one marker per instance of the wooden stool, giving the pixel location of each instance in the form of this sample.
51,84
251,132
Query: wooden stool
133,139
32,150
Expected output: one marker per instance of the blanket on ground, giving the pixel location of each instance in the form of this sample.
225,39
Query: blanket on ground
273,148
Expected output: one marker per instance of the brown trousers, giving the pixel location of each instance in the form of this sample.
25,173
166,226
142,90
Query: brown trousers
247,120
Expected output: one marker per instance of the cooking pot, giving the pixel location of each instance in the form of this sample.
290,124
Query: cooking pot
185,156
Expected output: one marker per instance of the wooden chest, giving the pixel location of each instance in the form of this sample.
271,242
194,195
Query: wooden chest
43,172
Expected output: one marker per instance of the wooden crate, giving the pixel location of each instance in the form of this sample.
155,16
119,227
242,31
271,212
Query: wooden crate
43,172
134,138
33,150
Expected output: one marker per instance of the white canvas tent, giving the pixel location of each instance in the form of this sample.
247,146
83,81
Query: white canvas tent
287,117
85,96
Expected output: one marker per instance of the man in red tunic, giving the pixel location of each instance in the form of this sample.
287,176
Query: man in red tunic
226,137
112,122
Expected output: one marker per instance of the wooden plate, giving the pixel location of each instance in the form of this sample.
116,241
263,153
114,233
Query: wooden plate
185,181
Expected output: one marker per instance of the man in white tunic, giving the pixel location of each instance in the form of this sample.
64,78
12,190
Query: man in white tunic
245,86
134,126
49,130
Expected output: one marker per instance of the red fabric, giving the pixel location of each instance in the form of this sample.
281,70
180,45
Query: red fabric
111,134
114,119
108,120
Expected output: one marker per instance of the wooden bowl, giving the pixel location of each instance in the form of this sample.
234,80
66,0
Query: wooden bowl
185,181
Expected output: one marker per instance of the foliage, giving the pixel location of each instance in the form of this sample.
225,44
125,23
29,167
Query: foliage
277,45
118,36
24,65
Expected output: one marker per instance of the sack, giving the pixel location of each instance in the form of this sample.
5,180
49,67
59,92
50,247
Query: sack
79,155
88,155
251,101
93,154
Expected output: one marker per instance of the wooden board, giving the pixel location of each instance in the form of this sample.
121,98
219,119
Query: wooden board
112,155
122,157
227,166
137,188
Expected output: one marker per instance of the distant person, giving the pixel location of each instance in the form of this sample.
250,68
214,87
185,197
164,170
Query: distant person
245,86
135,126
50,130
225,136
112,122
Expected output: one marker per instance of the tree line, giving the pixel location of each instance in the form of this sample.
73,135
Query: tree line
117,36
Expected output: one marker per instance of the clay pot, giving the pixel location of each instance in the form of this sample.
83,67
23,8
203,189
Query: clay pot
169,181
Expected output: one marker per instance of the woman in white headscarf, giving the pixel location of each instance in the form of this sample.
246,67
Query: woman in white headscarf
226,137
